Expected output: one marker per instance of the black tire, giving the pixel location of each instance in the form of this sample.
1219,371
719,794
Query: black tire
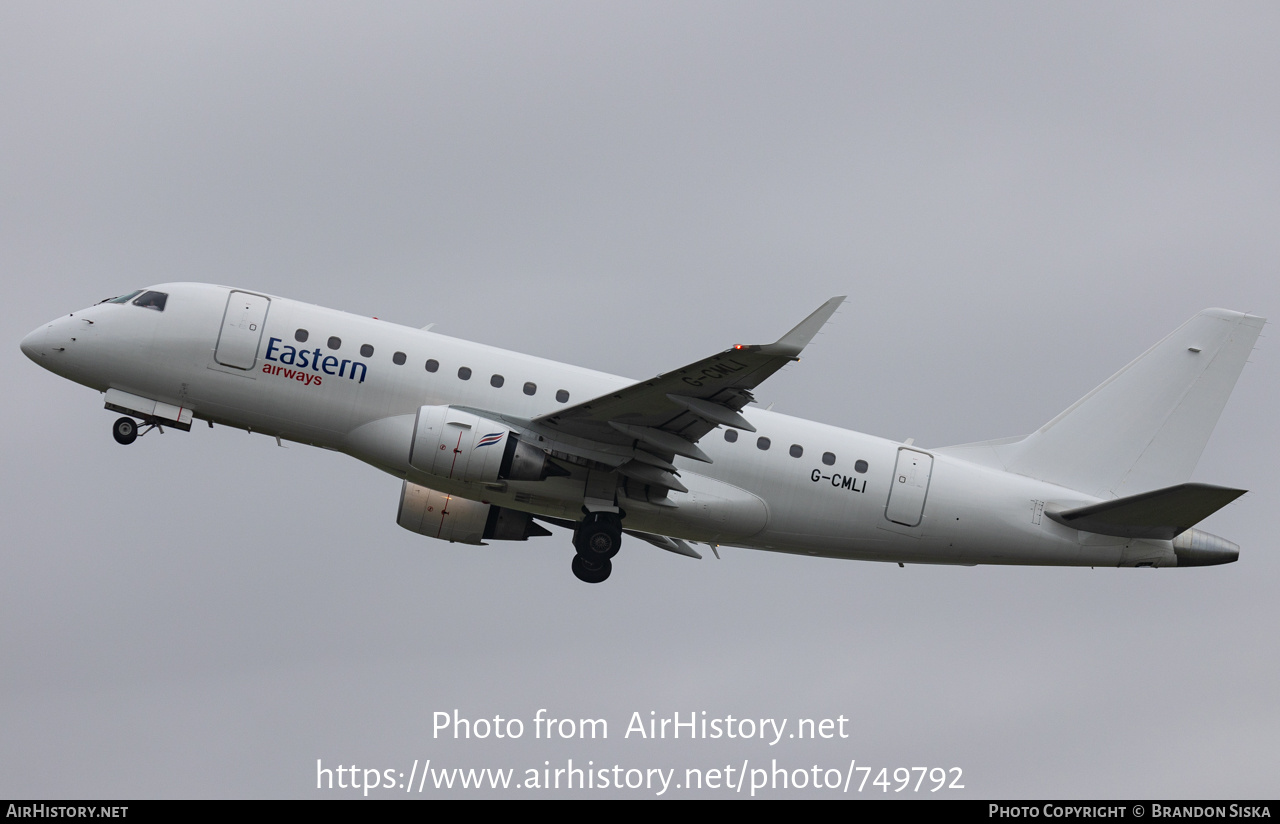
589,572
598,538
125,431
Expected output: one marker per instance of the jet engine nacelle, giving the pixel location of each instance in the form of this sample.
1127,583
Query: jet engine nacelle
461,446
451,518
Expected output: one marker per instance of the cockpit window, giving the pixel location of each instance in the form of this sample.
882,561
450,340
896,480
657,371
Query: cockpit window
152,300
126,298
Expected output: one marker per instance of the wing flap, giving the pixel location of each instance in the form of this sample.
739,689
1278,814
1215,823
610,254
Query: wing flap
713,412
651,475
675,545
663,440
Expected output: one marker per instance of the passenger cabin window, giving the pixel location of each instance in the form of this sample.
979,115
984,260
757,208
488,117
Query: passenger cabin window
860,466
796,450
301,336
530,388
828,458
496,381
433,365
152,300
731,435
562,396
464,372
126,298
334,343
366,351
398,358
762,443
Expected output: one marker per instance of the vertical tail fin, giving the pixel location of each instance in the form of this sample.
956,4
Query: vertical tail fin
1146,426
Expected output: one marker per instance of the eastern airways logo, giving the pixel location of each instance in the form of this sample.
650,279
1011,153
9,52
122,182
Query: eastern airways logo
279,352
490,440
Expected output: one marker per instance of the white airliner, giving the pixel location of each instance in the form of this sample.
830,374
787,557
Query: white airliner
489,442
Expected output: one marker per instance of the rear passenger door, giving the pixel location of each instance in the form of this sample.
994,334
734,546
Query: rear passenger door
909,488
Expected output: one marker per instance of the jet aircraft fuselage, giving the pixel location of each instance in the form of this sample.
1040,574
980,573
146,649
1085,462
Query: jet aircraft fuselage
489,442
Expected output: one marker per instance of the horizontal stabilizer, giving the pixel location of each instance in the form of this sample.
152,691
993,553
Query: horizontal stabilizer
1161,514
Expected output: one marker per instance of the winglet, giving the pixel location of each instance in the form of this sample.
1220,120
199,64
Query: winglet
794,342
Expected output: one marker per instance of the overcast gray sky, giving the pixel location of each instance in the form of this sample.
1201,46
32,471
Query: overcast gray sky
1018,199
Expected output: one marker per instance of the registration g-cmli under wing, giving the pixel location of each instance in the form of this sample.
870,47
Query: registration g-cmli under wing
489,442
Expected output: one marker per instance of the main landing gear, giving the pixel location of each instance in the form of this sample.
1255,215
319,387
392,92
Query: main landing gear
596,540
591,572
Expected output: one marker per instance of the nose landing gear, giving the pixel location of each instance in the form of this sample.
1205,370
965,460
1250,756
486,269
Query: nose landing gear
125,431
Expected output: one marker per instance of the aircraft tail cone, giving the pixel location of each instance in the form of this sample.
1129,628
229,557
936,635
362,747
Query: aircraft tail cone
1199,548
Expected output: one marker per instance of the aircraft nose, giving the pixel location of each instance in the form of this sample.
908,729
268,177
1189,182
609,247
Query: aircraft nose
33,344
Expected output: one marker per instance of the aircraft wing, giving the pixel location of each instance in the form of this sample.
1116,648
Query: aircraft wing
675,545
667,415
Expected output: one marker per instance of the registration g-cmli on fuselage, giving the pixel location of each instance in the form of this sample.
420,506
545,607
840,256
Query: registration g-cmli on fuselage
491,443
